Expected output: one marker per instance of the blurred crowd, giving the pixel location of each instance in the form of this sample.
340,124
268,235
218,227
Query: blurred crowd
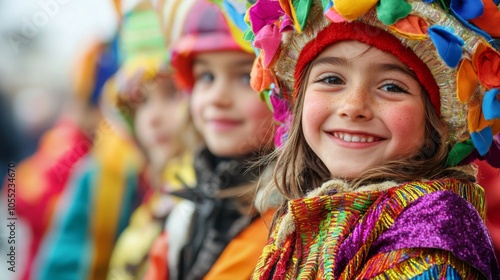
127,158
130,174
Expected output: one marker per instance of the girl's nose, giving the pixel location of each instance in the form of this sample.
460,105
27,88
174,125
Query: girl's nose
354,104
220,93
156,115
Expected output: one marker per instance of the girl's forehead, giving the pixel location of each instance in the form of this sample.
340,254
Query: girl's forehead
224,59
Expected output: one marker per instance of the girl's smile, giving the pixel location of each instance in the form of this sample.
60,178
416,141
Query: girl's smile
362,108
354,139
224,124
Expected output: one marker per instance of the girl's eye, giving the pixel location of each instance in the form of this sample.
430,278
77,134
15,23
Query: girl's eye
205,77
144,99
246,78
170,92
393,87
140,96
331,80
170,95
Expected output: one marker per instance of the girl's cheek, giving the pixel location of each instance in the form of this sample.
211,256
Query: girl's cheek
315,109
396,121
177,110
195,108
407,125
406,118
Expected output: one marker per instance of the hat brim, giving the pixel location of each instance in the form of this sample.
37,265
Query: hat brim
184,51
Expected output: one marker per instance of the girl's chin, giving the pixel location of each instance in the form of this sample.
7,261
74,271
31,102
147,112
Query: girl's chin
347,175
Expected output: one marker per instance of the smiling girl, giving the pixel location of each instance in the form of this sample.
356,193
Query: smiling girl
374,167
216,232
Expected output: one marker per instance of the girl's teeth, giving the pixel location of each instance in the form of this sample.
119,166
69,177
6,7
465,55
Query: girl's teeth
353,138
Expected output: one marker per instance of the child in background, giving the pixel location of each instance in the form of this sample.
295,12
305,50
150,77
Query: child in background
159,115
119,172
216,232
44,174
371,168
102,191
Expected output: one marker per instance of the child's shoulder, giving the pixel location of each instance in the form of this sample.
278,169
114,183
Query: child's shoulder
445,190
444,214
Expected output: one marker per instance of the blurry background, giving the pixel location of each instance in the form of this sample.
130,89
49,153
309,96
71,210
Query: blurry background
40,41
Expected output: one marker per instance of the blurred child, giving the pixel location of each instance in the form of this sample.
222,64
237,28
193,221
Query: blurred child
160,118
44,175
216,233
159,114
112,181
102,191
371,168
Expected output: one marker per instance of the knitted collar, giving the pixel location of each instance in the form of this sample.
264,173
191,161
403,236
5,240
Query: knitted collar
335,186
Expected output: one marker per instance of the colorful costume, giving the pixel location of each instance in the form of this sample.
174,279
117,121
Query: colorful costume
130,255
382,231
95,208
145,61
42,183
419,230
106,188
44,175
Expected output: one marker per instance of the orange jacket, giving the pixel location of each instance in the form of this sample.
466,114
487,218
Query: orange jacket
237,261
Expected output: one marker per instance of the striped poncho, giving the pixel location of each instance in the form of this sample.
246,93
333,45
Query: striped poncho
418,230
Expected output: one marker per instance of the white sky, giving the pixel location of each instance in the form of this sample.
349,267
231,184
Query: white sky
39,42
49,35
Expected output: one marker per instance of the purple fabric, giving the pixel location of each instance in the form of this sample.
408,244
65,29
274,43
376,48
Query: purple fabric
357,238
429,223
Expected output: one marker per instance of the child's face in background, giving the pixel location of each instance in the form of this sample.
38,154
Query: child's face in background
159,120
230,116
362,107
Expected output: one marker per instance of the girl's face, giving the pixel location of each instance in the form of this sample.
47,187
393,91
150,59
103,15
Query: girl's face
160,119
362,107
230,116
